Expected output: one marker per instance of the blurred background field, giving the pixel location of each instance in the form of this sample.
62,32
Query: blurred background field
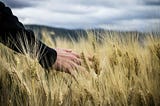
124,71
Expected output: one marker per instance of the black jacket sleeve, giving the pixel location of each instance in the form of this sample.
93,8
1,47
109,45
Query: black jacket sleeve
15,36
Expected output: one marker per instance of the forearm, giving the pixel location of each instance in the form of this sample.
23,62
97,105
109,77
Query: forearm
24,41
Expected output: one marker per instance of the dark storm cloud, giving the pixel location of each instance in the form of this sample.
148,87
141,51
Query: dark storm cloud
17,3
152,2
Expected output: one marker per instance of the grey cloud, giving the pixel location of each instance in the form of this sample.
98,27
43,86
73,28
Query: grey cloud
21,3
108,3
131,14
16,3
128,14
144,13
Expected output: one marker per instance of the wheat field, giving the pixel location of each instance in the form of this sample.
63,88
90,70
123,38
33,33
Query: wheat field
124,71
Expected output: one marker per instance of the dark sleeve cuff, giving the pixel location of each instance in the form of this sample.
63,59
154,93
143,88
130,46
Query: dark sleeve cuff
47,57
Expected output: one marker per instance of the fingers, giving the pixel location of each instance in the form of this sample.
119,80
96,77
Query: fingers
69,51
71,67
74,58
75,54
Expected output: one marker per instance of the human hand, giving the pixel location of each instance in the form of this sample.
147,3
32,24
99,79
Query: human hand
67,61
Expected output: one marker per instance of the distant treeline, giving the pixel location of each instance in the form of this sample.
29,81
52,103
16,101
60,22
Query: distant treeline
75,34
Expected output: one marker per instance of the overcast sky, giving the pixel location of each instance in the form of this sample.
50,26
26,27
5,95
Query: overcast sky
141,15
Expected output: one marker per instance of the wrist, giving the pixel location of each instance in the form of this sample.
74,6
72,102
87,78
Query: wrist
48,57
